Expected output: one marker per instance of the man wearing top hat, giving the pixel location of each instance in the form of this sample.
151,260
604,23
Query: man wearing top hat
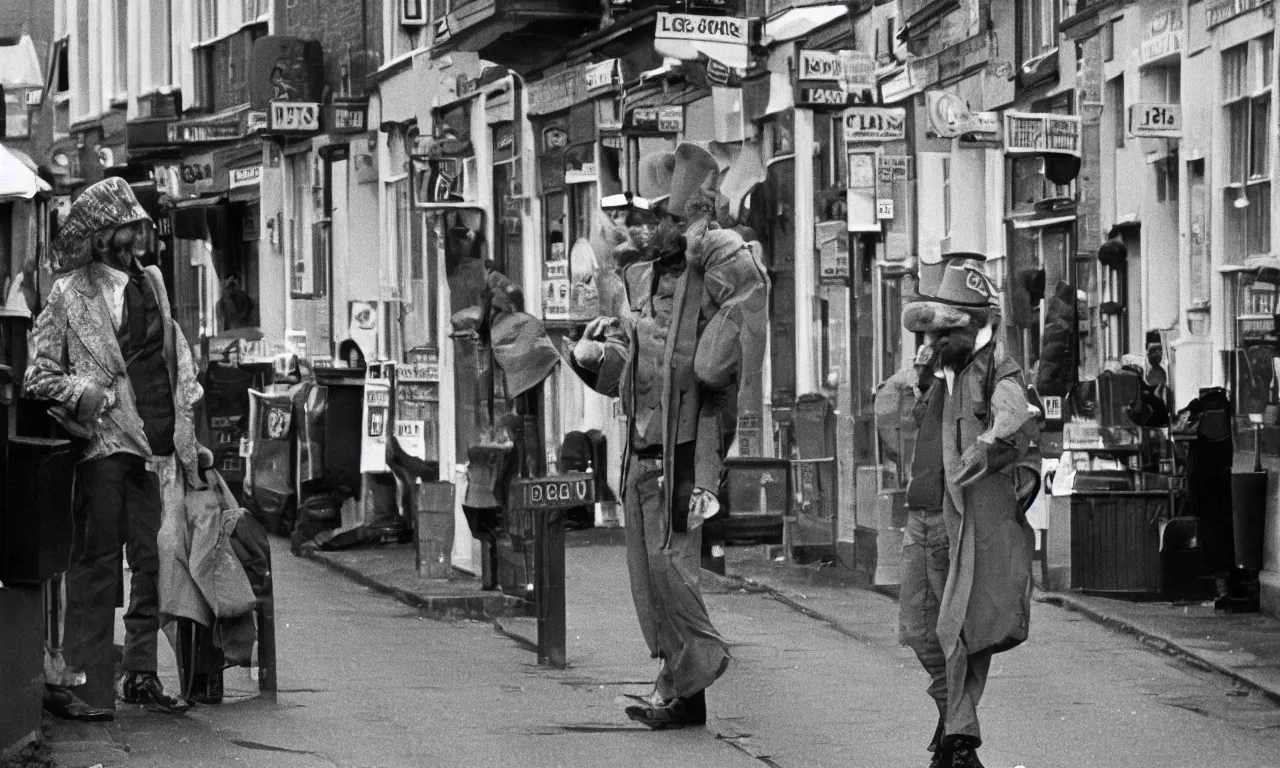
966,584
108,353
691,334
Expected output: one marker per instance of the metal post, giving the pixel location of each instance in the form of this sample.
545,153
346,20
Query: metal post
549,592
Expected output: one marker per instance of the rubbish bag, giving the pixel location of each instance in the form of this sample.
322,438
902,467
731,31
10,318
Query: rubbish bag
215,567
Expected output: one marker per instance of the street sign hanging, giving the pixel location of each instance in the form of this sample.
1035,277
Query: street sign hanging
875,124
571,489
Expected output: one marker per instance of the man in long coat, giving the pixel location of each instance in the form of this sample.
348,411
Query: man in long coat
107,351
696,320
987,433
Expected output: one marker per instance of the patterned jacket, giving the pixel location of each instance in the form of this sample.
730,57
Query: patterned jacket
74,349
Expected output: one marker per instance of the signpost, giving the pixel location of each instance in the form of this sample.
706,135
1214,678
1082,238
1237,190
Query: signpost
1158,120
547,498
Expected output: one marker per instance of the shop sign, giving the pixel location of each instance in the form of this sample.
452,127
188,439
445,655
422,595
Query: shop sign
558,92
884,208
1029,133
824,96
875,124
852,72
226,129
899,87
348,118
291,116
1159,120
655,120
602,76
1223,11
245,177
196,173
949,116
706,29
256,121
1164,36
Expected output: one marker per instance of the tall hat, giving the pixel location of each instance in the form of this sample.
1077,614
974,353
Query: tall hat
656,172
694,179
964,288
108,204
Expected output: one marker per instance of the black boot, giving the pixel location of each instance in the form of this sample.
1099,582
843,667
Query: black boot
146,689
61,702
940,759
964,753
677,713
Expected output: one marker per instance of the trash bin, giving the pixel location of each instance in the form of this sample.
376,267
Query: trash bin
1248,511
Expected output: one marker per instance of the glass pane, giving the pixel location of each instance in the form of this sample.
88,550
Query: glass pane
1259,138
1235,72
1268,60
1237,140
1258,215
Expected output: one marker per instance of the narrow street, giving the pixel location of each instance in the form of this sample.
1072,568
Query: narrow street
365,682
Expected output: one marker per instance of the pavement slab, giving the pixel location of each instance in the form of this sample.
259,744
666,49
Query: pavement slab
370,682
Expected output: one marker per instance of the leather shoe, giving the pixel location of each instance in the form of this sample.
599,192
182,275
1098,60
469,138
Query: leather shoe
61,702
677,713
964,754
146,689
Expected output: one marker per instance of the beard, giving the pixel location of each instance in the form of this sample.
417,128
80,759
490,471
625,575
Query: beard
955,353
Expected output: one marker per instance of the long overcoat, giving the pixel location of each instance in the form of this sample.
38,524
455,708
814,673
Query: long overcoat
988,595
719,320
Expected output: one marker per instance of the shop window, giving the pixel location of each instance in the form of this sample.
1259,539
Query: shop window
1028,185
1113,294
641,147
1115,97
1198,233
17,120
891,290
1033,249
1167,179
1247,85
779,217
1039,35
508,189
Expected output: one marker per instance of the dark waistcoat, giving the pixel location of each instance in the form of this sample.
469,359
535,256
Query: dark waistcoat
141,337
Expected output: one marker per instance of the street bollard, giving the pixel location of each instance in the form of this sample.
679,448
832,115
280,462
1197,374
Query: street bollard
548,498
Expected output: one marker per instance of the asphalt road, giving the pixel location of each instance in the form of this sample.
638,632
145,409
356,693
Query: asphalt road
365,682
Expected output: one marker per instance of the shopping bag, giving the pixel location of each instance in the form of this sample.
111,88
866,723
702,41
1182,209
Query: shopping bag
217,570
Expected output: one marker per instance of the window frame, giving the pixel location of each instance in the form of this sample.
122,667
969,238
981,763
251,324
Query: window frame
1248,99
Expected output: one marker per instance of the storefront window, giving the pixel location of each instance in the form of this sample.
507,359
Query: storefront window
508,188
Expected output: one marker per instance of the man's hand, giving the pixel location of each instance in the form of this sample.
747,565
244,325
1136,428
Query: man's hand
94,404
596,329
703,505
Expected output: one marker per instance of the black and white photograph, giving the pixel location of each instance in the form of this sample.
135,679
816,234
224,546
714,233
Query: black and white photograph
717,383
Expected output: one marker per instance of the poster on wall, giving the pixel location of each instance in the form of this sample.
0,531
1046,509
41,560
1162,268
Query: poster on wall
555,299
833,252
417,403
374,425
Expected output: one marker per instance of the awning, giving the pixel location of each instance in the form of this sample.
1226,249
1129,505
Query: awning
20,66
1031,223
18,179
798,22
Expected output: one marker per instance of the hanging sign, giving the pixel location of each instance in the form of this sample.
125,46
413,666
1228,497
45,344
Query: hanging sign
377,413
293,116
949,116
245,177
348,118
602,76
558,92
875,124
689,38
884,208
835,78
1159,120
660,120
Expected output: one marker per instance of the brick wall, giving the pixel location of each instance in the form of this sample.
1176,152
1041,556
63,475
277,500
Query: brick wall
344,29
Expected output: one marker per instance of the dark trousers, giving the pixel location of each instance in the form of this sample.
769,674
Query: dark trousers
955,687
117,505
664,565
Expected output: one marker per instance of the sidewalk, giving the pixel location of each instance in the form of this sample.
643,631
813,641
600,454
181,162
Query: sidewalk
1245,648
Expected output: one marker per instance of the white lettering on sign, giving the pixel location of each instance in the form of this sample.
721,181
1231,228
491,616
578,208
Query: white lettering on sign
833,96
245,177
601,75
551,493
875,124
1155,119
819,65
294,116
711,29
348,118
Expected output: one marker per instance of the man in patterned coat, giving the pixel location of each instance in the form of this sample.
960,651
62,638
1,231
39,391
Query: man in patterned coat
108,353
693,331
